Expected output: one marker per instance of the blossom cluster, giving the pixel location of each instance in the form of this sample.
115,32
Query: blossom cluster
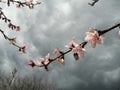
59,56
13,42
6,20
28,3
93,36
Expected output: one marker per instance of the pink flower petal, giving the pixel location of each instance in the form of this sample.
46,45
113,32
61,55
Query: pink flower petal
99,41
23,49
82,53
48,58
31,63
71,44
93,37
91,29
62,61
57,53
41,60
93,44
76,56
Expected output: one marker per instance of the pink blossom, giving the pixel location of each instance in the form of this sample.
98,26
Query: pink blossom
71,44
13,40
23,48
79,49
58,53
41,60
93,37
76,48
45,61
31,63
48,58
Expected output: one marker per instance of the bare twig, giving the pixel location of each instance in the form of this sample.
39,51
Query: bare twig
93,2
11,78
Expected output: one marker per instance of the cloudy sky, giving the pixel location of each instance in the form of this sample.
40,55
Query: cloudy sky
53,24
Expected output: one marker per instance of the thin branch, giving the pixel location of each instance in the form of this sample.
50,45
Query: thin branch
84,43
22,4
3,17
101,32
30,5
93,2
6,20
59,56
108,29
13,74
13,42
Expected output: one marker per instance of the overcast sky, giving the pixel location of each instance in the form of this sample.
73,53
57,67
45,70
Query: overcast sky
53,24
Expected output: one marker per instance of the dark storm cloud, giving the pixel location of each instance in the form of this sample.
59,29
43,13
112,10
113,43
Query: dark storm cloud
53,24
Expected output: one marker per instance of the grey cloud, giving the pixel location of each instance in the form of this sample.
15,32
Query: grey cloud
50,25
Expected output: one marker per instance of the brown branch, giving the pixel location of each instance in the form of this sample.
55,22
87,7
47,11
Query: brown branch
6,20
13,42
84,43
101,32
30,5
3,17
108,29
22,4
59,56
93,3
